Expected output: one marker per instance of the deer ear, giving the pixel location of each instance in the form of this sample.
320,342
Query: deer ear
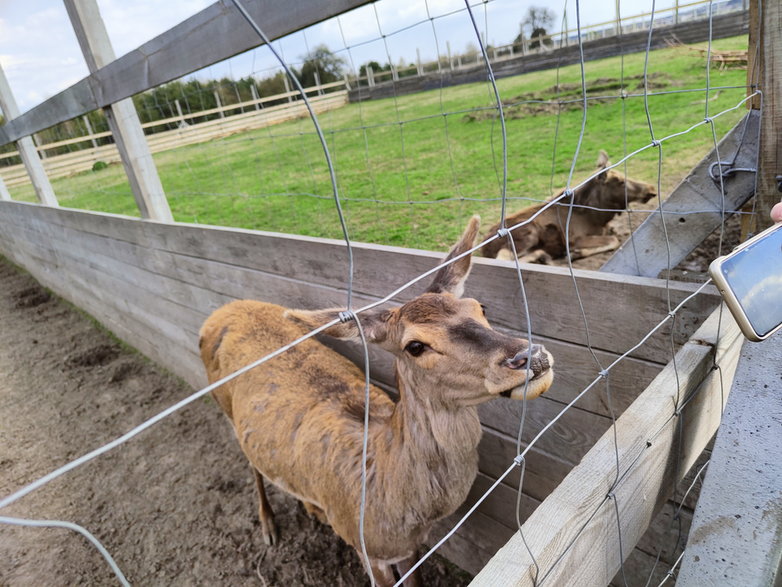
374,323
451,278
602,160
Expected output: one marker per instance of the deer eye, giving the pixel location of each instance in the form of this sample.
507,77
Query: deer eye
415,348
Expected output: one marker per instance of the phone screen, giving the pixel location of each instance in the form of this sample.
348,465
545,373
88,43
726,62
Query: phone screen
755,276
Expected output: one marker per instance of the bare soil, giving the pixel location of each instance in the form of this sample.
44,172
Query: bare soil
174,506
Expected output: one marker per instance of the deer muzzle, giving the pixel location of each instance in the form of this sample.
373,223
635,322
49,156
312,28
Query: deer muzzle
537,358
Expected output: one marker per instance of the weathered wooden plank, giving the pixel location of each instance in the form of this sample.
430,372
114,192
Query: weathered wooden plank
661,243
379,268
486,530
30,158
573,533
770,78
214,34
570,437
544,471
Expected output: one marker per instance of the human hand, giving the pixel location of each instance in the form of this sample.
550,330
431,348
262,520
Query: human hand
776,212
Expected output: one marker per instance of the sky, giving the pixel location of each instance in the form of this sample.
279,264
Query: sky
41,57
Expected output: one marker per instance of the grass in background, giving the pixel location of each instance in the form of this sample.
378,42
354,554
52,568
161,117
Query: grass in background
447,153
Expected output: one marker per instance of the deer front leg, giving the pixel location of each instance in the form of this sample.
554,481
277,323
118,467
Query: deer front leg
584,246
382,572
414,580
265,513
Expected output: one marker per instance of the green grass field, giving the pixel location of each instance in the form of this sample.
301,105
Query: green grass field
441,148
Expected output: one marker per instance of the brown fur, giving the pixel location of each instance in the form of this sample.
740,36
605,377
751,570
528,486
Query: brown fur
543,238
299,417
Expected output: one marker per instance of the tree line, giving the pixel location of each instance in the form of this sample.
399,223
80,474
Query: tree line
319,66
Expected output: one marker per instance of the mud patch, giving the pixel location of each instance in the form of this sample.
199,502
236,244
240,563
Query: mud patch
566,97
32,297
98,355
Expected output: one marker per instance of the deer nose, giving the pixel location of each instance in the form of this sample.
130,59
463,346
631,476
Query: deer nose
519,361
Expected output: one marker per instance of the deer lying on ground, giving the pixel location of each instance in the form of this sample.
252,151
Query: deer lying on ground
299,417
543,239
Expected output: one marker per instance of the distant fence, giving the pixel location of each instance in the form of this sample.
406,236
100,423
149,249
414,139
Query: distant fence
234,119
508,64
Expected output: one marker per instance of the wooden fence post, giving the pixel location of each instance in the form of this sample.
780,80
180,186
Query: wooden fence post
254,93
4,193
122,116
27,150
770,79
219,104
89,130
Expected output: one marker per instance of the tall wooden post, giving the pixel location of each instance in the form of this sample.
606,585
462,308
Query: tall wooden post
768,72
122,116
27,151
4,193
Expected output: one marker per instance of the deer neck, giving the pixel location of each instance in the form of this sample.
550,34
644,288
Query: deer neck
590,197
435,444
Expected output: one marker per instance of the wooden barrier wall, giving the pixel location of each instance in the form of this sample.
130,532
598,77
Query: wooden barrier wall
153,284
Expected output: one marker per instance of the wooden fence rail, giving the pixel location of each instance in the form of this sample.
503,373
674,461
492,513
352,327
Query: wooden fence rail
83,160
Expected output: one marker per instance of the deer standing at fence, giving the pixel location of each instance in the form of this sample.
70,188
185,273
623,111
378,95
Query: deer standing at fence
543,239
299,418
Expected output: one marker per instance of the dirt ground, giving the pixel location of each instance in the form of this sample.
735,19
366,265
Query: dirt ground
174,506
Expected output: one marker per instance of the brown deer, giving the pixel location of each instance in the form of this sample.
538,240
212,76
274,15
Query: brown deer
299,418
543,238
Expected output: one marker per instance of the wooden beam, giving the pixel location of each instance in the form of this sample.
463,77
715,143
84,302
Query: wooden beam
212,35
770,164
573,535
121,115
26,147
646,252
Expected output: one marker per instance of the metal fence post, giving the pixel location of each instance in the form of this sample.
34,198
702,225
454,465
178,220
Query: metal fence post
27,150
122,116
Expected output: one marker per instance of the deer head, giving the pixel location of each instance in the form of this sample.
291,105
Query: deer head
618,189
443,344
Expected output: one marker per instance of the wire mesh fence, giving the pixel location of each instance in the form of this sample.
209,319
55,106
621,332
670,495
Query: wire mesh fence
410,169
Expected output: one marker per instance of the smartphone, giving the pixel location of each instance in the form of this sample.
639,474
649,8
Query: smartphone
750,281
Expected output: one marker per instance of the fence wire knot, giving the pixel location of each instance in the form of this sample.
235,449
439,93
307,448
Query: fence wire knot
568,193
503,232
708,120
519,460
346,316
672,314
603,373
656,143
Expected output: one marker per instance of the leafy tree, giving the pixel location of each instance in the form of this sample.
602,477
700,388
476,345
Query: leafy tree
536,24
328,66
